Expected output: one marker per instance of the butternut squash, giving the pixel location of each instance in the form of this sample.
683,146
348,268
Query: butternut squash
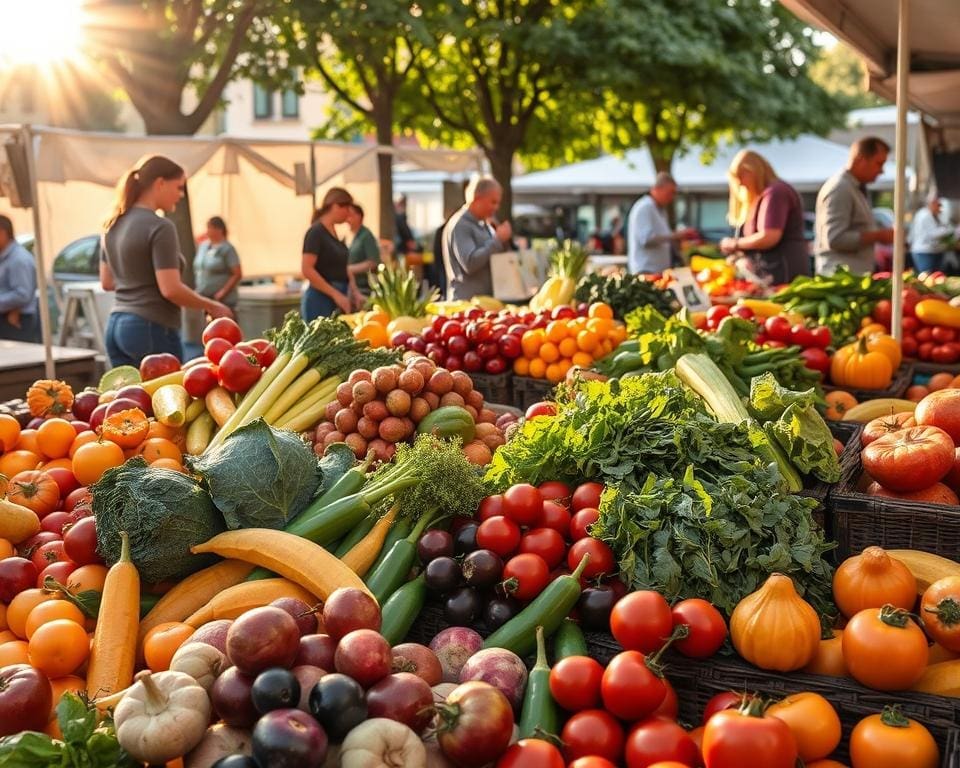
191,594
246,595
365,552
288,555
114,650
941,679
17,523
925,567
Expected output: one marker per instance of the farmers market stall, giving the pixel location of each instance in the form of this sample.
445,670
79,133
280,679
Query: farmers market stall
22,363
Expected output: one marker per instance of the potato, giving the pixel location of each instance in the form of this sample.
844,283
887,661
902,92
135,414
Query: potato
486,416
462,383
376,410
419,408
411,381
399,402
384,379
440,382
392,429
364,392
368,428
360,375
345,421
452,398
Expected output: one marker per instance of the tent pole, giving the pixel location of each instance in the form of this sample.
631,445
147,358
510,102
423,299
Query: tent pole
313,178
45,329
900,180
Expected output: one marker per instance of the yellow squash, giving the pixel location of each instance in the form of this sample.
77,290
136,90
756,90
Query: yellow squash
241,597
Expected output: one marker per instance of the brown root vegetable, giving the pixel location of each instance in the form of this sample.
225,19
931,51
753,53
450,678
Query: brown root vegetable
453,398
360,375
368,427
462,383
357,443
440,382
475,398
433,400
408,426
345,421
380,448
472,411
333,437
323,429
399,402
384,379
484,430
364,392
425,367
345,393
376,410
392,429
411,381
332,407
419,408
477,453
494,441
486,416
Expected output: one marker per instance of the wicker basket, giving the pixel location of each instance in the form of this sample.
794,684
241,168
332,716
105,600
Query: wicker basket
848,433
861,521
495,388
928,369
527,391
902,379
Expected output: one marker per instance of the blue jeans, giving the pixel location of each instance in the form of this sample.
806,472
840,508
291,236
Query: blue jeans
314,304
130,338
926,262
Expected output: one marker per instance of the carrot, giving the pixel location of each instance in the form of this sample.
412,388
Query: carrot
220,405
364,553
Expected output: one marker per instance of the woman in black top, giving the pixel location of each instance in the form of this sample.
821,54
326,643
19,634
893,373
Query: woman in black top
325,259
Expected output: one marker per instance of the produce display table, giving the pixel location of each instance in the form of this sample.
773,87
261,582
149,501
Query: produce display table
21,364
263,306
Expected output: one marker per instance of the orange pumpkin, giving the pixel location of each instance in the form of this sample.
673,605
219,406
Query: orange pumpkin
859,367
35,490
48,397
883,342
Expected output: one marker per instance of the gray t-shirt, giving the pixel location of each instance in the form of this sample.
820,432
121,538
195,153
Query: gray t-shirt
212,267
135,247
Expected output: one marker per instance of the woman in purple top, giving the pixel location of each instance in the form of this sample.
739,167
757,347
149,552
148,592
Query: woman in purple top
768,216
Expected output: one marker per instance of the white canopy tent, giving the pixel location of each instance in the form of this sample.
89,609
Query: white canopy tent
912,52
265,190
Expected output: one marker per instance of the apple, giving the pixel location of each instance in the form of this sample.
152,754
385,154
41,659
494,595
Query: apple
363,655
54,522
139,395
98,415
155,366
263,637
212,633
348,609
25,699
317,650
403,697
84,403
230,696
120,404
302,613
16,575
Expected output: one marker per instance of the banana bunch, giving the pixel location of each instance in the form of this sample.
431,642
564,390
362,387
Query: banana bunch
566,268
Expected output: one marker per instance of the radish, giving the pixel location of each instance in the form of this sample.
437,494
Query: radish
500,668
453,647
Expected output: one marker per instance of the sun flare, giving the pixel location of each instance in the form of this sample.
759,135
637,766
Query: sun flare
40,32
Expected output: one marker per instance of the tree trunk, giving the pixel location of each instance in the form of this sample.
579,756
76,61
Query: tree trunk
501,165
383,117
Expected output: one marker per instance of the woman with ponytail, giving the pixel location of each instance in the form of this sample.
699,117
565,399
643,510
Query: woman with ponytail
325,258
141,261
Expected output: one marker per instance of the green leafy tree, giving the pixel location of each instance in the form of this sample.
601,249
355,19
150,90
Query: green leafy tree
841,73
678,73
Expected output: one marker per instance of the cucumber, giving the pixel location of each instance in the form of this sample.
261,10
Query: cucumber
398,531
569,641
359,531
401,610
448,421
539,715
548,610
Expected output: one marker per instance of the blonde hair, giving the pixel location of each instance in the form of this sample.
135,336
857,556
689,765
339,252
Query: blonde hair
741,198
138,180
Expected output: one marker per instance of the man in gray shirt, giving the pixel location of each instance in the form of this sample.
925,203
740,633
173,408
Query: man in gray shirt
469,240
845,228
19,310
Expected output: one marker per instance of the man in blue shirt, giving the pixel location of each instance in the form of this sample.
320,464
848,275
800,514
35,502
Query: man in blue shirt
19,311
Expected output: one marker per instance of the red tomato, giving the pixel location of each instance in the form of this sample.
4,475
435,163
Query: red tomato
238,372
657,739
531,752
909,324
945,354
200,379
581,521
575,683
641,621
522,503
777,328
525,576
670,706
720,702
925,349
215,349
883,312
909,346
64,479
491,506
924,334
733,739
742,312
450,329
59,571
705,625
266,351
45,554
499,534
943,335
545,542
554,490
816,359
77,496
716,315
630,689
555,516
602,561
155,366
911,459
591,762
510,346
801,335
222,328
80,542
586,495
592,732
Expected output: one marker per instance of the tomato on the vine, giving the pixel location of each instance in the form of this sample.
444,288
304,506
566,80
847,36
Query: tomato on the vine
734,738
525,576
630,689
706,629
491,506
720,702
499,534
575,683
602,561
554,490
641,621
777,328
670,706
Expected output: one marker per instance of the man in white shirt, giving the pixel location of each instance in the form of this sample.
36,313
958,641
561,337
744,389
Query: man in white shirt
929,236
649,237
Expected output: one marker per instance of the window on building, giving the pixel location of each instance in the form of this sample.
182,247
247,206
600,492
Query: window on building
290,103
262,102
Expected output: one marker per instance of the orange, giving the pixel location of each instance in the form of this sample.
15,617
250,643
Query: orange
6,636
554,372
63,463
126,428
576,325
565,364
93,459
838,403
583,359
61,685
587,341
158,448
940,380
53,729
53,610
21,606
3,618
161,642
376,316
18,460
556,331
599,309
156,429
7,549
568,347
28,441
54,438
538,368
165,463
605,347
618,333
375,333
521,366
600,325
530,342
87,436
59,647
87,577
9,432
14,652
549,352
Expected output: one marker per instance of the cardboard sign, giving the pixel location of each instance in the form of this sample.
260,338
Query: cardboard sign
688,290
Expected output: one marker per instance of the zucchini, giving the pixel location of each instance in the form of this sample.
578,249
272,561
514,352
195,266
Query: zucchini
569,641
391,573
539,716
548,610
359,531
401,610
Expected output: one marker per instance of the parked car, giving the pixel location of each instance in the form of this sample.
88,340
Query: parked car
78,262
